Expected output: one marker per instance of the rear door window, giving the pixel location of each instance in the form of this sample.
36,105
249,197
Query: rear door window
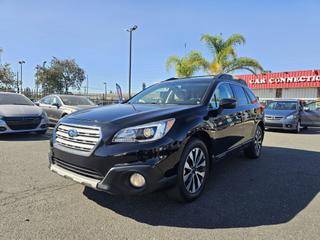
252,97
240,95
221,92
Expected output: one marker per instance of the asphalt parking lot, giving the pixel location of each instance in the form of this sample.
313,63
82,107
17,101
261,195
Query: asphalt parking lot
274,197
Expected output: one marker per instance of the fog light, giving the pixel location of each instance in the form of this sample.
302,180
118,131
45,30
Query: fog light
2,129
137,180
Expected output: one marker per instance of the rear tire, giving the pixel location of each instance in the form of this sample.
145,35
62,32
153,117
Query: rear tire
254,149
193,172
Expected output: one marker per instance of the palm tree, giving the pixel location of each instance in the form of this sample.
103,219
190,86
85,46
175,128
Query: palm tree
188,65
225,59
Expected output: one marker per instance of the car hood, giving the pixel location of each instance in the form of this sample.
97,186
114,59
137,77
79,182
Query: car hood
282,113
19,110
128,113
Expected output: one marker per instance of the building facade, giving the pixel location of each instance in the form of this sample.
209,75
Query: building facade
297,84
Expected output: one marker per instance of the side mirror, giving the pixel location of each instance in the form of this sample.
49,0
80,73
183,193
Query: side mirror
56,105
37,104
228,103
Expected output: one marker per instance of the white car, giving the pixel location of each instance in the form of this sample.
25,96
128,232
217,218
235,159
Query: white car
18,114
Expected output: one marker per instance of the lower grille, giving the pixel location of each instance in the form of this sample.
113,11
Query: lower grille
273,125
22,123
79,170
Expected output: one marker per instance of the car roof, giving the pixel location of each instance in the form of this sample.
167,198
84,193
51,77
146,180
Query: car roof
66,95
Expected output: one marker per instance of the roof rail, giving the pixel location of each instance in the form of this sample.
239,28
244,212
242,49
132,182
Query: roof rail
173,78
222,76
241,81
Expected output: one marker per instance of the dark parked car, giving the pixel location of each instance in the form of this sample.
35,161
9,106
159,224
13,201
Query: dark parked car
167,135
58,106
291,115
18,114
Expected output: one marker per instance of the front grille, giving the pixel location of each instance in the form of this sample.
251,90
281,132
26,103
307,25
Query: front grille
274,125
22,123
274,117
85,140
76,169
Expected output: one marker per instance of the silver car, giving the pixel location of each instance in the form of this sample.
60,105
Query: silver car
19,114
58,106
291,115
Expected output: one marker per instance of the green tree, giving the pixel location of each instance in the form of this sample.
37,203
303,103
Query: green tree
60,76
188,65
7,81
225,59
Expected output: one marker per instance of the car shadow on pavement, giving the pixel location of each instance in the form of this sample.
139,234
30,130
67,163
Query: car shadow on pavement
309,131
25,137
240,193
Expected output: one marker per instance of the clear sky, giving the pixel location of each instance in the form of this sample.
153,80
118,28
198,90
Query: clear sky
282,35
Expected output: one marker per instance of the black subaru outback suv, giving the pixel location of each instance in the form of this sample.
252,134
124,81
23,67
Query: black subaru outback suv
167,135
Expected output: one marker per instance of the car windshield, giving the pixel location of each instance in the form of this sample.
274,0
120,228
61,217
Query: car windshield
75,101
14,99
284,105
181,92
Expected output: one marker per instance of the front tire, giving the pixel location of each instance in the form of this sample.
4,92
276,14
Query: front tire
193,172
254,149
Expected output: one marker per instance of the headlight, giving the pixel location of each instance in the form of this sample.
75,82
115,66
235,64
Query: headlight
291,116
144,133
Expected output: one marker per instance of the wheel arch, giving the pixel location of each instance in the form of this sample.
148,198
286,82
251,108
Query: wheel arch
203,136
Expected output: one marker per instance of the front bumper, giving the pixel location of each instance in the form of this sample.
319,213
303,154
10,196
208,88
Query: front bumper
109,166
5,129
286,124
116,181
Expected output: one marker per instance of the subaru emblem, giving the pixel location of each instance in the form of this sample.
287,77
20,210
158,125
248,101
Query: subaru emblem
73,133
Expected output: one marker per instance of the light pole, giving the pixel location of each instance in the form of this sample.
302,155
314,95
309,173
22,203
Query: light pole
18,82
130,30
1,51
37,77
21,63
105,92
87,85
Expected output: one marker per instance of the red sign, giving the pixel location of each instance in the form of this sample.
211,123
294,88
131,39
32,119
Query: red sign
296,79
